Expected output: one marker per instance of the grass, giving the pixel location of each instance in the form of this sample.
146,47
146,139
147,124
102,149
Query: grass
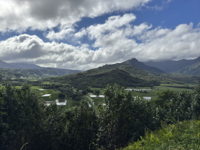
72,103
138,88
52,97
100,89
46,83
161,88
97,100
147,94
181,136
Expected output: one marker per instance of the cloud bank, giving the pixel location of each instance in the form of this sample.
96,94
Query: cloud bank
116,40
20,15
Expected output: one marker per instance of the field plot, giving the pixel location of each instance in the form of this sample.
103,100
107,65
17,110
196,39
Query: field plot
97,100
145,92
72,103
53,93
173,88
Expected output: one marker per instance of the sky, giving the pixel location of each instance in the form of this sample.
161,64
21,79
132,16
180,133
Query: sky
85,34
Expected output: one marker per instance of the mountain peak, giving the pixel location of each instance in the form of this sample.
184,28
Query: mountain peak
133,59
142,66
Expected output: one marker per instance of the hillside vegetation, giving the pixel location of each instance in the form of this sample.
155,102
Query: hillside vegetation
183,136
191,70
171,66
101,76
120,120
144,67
34,73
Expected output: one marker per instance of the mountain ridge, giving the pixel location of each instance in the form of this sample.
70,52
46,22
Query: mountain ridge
171,66
144,67
191,70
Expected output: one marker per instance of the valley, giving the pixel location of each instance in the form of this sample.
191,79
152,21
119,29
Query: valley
130,95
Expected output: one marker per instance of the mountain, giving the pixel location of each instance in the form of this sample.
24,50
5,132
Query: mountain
171,66
34,73
18,65
144,67
117,73
118,76
30,71
25,66
5,65
105,73
191,70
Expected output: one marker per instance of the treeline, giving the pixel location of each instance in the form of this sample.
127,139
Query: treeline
25,121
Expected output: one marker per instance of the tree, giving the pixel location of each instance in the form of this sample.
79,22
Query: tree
97,92
20,116
61,95
84,92
82,127
123,118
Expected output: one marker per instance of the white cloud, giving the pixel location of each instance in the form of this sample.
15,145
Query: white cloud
181,43
160,7
20,15
111,25
59,35
198,25
115,41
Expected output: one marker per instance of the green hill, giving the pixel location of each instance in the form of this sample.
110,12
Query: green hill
5,65
122,74
171,66
184,136
191,70
101,79
101,76
127,66
144,67
34,73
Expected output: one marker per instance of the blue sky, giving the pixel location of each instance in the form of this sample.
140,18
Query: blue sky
85,34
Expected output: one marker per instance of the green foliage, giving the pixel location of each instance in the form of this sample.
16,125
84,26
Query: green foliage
191,70
61,95
195,106
34,73
120,120
25,120
101,79
183,136
97,92
123,118
20,116
82,127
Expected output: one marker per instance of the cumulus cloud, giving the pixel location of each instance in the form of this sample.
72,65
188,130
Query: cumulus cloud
20,15
160,7
114,42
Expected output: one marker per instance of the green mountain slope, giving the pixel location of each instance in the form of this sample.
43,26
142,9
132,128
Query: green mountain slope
171,66
25,66
34,73
136,66
100,76
191,70
101,79
144,67
5,65
105,74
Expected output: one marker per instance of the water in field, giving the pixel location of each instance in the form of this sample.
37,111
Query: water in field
97,96
138,90
57,102
46,95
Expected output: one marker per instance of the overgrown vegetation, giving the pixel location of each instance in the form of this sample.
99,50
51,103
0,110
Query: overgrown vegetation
182,135
122,119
